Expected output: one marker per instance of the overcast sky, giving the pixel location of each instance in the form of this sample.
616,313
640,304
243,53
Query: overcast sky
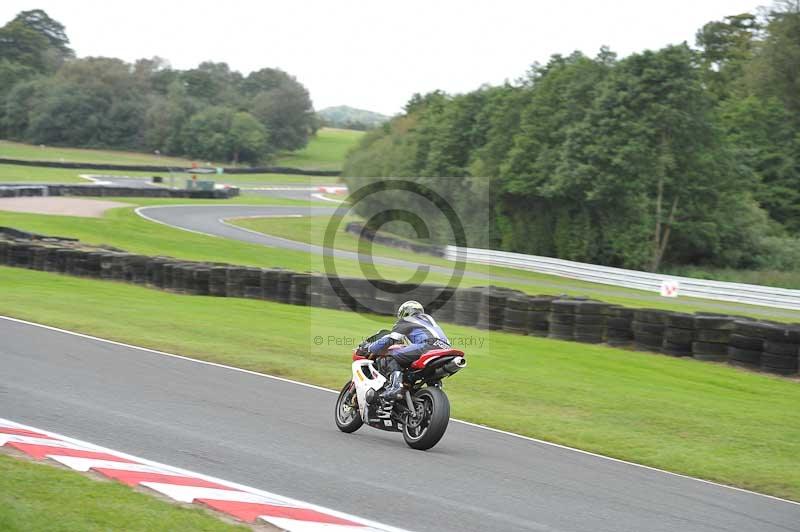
375,54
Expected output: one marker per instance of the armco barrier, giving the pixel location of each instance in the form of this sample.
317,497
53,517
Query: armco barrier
764,346
718,290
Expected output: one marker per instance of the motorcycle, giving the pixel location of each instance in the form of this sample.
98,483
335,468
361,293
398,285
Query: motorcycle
423,413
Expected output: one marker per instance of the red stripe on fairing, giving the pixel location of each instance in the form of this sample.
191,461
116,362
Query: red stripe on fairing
422,361
24,432
250,511
41,451
133,478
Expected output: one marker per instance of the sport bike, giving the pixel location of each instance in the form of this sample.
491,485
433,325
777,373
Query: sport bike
423,413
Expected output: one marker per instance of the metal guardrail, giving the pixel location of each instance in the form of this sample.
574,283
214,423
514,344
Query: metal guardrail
723,291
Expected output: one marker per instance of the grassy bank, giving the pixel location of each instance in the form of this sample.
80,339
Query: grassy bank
39,497
697,418
325,151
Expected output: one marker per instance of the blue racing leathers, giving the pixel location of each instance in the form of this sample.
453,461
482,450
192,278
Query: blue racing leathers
420,332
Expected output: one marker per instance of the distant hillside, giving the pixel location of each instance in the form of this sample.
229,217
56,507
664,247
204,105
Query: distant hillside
350,118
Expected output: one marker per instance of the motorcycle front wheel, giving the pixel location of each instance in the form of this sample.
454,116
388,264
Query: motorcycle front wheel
424,429
348,419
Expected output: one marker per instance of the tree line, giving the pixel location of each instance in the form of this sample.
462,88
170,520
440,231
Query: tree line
683,155
48,96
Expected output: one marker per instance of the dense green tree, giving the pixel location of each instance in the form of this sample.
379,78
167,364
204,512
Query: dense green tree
283,107
774,71
725,48
48,96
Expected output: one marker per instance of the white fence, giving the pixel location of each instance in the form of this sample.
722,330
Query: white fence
740,293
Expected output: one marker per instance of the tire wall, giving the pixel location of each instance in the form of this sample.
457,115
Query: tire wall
739,341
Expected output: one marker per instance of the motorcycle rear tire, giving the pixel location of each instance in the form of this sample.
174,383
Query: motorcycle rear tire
437,416
343,424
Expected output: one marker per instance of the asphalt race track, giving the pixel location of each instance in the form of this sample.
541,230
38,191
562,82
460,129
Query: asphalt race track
208,219
280,436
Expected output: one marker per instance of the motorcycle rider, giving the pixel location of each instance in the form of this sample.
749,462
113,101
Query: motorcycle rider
422,334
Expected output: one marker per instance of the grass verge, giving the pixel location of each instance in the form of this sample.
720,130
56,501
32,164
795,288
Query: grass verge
37,497
123,228
701,419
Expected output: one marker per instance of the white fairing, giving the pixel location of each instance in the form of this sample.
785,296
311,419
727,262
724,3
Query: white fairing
366,377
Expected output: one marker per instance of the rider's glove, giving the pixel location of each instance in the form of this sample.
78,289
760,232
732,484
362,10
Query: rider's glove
363,348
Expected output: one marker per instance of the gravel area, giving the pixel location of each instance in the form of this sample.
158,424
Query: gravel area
57,205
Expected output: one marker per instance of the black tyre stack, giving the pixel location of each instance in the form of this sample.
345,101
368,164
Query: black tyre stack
491,311
202,279
678,334
251,284
468,301
648,329
51,261
330,299
445,308
269,283
186,276
4,245
314,297
284,290
562,319
300,289
619,326
515,318
106,265
711,335
746,343
353,292
39,257
20,255
117,264
218,281
180,283
781,350
590,321
383,303
155,271
234,284
538,319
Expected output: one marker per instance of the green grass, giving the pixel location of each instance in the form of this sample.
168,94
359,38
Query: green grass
702,419
325,151
781,279
18,150
10,173
39,497
124,229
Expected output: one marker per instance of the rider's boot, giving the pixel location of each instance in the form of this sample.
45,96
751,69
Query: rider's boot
394,387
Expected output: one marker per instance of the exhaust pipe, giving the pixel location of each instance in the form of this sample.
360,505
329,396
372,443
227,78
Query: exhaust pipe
451,368
456,364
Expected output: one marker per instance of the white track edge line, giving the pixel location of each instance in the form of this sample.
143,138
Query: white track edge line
468,423
138,211
185,472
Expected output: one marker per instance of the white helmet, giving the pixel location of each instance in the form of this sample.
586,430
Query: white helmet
409,308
